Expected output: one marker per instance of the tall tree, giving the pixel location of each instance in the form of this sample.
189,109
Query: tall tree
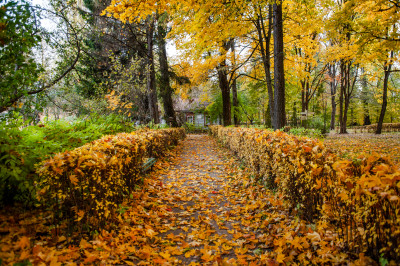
165,86
235,101
305,61
151,72
279,73
387,69
348,78
222,70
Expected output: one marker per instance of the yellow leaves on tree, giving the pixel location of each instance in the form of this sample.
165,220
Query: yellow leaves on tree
115,102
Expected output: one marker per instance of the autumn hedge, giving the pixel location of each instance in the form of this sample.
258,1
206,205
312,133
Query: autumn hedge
360,198
86,185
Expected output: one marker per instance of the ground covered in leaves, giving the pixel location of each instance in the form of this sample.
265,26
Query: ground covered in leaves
199,207
354,144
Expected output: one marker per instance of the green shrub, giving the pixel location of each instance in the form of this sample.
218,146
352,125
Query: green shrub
195,129
24,146
306,132
318,124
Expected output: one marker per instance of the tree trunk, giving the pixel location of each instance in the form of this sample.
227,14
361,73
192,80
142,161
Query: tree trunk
235,103
303,96
346,98
279,74
225,91
151,74
307,96
387,69
333,87
264,36
165,87
367,118
346,110
268,122
347,86
364,99
333,112
303,104
224,87
341,98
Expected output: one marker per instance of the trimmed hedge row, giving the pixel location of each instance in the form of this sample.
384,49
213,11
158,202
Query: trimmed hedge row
86,185
360,198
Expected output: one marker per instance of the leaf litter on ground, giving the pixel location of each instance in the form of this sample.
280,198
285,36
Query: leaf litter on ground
354,144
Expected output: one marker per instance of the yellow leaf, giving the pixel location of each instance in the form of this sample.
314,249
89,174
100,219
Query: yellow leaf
318,186
207,255
61,239
80,214
150,232
84,244
226,247
280,258
165,255
190,253
24,255
73,179
24,242
54,262
296,243
157,260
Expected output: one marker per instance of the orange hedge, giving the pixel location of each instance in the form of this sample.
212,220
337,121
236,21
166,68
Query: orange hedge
361,198
86,185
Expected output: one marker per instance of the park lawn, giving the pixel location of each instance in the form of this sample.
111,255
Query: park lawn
352,145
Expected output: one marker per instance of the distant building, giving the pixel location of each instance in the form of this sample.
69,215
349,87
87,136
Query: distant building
196,117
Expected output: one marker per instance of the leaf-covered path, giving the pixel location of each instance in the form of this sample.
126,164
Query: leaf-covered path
205,213
211,219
